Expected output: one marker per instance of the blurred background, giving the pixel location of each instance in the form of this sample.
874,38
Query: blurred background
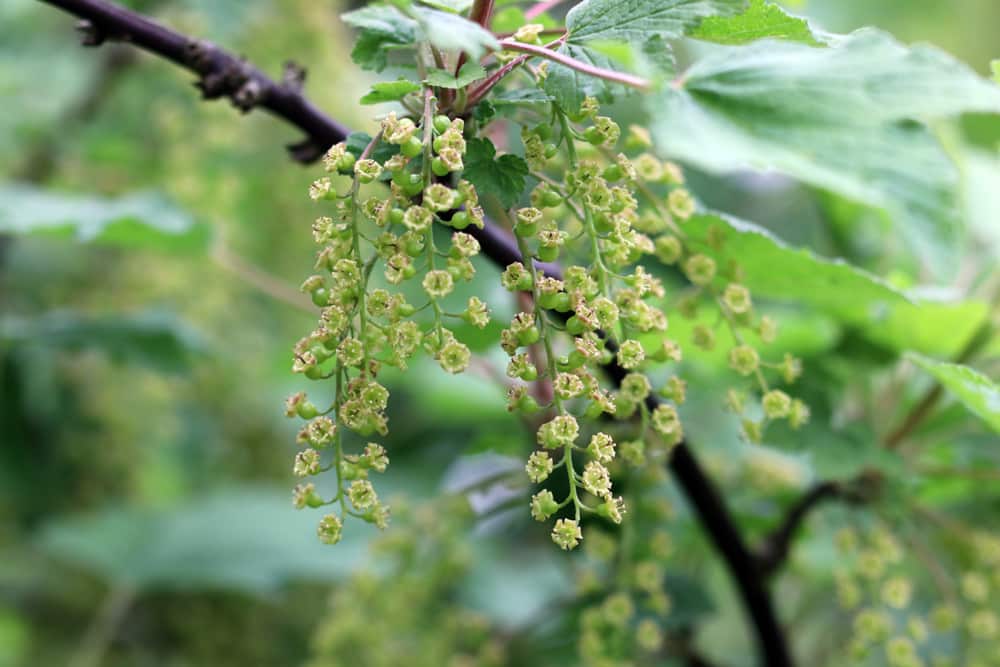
151,246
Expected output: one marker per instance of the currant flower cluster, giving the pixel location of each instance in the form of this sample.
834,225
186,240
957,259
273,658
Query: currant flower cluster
875,587
362,329
613,215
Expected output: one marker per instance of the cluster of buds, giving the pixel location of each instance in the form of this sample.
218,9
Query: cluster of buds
361,330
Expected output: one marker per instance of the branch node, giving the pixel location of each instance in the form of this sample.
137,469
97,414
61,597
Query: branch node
293,77
248,95
306,151
90,34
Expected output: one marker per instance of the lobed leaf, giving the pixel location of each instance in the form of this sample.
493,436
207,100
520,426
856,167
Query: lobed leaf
761,20
842,118
830,285
389,91
638,20
503,176
469,72
975,391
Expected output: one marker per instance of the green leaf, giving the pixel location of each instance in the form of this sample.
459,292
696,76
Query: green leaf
450,32
568,87
840,118
144,220
157,340
638,20
242,539
976,392
830,285
453,6
390,91
381,28
358,141
444,79
502,177
882,313
761,20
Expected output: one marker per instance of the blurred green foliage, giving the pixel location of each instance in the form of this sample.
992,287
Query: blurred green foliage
150,245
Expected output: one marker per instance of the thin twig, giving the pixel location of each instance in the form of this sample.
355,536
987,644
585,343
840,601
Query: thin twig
776,547
261,280
541,8
103,627
925,406
578,65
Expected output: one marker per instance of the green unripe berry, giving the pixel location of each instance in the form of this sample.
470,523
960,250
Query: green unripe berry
414,245
441,123
412,147
528,337
593,135
439,167
613,172
460,220
548,253
543,131
396,216
550,151
320,296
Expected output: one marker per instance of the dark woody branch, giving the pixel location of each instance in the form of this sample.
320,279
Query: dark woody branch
774,551
222,74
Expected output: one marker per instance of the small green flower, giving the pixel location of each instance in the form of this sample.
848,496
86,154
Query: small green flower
438,283
596,479
439,197
777,404
681,203
798,414
418,218
700,269
330,529
320,188
304,495
668,249
543,505
367,170
306,463
744,359
297,405
539,467
351,352
454,357
568,385
667,423
737,298
612,509
561,431
602,447
476,313
374,457
634,388
631,354
321,431
361,493
567,534
897,592
528,33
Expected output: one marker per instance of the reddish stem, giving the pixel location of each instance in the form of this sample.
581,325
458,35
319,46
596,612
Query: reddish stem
578,65
541,8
